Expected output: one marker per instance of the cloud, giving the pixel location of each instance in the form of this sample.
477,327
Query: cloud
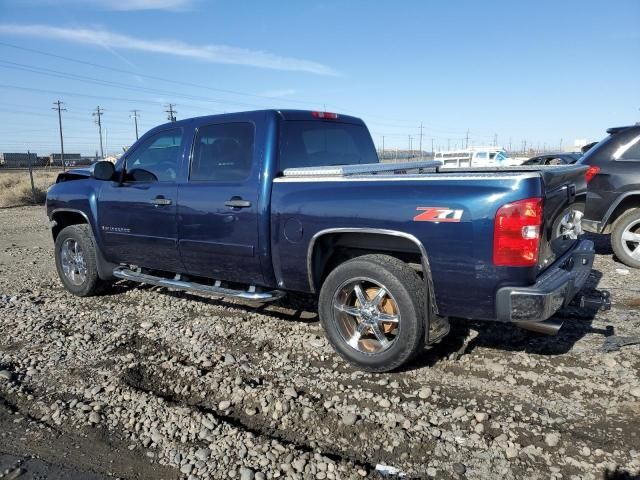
207,53
120,5
143,4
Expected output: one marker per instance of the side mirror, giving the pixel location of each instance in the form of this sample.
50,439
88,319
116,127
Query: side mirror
104,170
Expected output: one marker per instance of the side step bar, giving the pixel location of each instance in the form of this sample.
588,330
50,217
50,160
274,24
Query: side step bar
251,294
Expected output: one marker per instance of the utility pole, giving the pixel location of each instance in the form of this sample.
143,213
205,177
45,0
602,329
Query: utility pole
383,147
171,113
525,147
135,120
410,147
560,144
495,139
509,144
420,140
58,106
98,114
448,144
466,144
433,152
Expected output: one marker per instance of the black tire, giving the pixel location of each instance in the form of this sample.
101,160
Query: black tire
405,288
618,244
91,283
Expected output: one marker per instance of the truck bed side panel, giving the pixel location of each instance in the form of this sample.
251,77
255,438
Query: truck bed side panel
459,253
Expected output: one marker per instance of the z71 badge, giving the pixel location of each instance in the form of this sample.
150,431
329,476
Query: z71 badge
438,214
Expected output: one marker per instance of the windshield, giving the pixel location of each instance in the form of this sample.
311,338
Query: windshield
317,143
501,157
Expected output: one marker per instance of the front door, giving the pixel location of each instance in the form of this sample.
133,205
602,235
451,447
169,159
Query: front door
218,205
138,217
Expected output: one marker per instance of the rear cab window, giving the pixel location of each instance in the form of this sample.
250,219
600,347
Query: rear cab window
317,143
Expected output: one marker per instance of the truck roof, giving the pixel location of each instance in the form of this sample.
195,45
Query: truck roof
284,114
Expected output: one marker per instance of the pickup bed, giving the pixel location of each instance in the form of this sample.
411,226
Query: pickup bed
255,204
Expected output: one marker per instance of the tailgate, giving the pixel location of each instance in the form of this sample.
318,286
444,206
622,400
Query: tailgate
564,187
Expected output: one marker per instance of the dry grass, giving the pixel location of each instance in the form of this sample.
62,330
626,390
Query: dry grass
15,187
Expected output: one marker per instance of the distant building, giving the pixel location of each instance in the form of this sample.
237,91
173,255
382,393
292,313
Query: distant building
70,159
18,160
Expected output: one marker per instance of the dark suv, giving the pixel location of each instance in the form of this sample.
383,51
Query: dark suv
613,196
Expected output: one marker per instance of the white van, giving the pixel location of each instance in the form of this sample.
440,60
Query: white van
477,157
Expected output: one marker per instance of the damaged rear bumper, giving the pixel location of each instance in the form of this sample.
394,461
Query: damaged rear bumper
555,288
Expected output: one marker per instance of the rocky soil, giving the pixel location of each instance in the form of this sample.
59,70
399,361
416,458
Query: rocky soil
143,382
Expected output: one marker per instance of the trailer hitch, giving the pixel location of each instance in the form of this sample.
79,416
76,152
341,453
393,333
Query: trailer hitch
598,300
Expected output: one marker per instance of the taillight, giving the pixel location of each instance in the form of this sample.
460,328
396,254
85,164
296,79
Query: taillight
592,171
326,115
516,233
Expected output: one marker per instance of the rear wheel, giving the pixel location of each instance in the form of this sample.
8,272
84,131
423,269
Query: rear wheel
75,254
625,238
371,309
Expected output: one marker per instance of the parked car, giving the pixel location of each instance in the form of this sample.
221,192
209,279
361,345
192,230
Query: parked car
613,195
560,158
251,205
476,157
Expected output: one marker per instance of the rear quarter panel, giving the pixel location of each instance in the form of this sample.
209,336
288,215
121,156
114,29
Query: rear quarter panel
460,254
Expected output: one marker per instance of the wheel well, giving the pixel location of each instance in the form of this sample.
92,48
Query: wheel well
332,249
629,203
64,219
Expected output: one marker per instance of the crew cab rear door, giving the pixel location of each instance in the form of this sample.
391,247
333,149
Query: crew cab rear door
137,217
218,203
564,193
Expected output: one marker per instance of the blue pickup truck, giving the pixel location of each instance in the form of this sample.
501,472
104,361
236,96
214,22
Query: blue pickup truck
254,204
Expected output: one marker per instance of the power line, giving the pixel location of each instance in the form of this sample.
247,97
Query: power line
98,114
153,77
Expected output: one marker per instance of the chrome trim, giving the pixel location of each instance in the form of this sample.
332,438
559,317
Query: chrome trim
124,273
359,169
443,176
72,210
395,233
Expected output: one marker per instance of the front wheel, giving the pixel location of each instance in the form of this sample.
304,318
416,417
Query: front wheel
371,309
75,254
625,238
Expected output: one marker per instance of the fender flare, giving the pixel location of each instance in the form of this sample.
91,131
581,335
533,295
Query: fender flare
424,258
614,205
105,267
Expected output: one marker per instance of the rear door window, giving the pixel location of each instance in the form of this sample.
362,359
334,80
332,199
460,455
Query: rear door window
222,153
321,143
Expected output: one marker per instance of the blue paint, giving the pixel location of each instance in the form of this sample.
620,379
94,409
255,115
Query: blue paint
197,234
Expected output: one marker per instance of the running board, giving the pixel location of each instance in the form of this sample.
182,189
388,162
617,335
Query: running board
251,294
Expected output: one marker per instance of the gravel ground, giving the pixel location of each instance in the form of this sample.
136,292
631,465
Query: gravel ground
143,382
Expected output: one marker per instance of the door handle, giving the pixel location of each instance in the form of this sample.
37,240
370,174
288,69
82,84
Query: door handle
237,202
160,201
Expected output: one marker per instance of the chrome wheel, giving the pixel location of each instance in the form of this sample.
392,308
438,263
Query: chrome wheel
366,315
73,262
631,240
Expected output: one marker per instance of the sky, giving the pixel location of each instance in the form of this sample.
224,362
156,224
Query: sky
540,71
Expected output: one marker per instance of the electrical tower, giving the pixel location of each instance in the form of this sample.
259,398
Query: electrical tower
98,114
171,113
58,106
135,117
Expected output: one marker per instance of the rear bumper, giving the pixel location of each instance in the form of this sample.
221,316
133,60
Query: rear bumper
554,289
